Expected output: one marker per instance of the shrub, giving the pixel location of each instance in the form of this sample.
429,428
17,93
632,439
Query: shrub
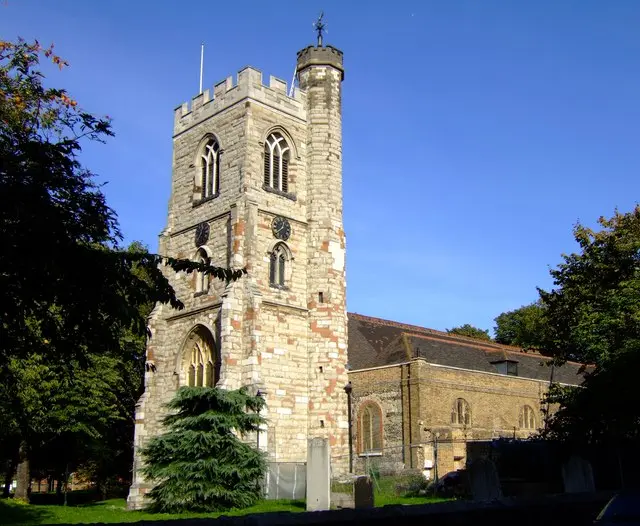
201,464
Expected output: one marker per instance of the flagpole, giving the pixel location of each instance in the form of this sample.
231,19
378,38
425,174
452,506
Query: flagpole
201,64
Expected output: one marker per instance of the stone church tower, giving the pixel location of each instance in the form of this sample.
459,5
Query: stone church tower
257,183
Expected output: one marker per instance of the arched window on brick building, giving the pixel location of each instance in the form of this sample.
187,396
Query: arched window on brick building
461,413
527,418
370,429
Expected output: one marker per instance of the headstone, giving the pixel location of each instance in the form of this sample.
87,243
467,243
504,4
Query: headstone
577,476
363,492
484,481
318,475
342,501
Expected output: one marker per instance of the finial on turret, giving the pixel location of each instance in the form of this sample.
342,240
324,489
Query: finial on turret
319,26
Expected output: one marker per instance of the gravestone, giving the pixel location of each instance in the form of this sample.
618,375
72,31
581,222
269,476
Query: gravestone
484,481
341,501
577,476
363,492
318,475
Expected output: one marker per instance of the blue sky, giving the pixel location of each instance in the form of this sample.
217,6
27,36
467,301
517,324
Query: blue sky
476,133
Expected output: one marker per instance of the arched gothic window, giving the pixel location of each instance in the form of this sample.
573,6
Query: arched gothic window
370,428
278,261
461,412
202,367
210,169
202,279
276,163
527,418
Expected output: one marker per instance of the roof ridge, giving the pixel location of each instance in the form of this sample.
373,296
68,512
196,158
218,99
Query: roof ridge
407,326
480,344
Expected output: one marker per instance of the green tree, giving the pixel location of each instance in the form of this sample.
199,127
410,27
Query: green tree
78,416
62,272
593,316
200,463
523,327
59,407
471,332
69,292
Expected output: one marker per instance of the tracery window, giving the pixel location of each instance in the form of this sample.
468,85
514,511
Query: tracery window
202,368
527,418
210,169
278,266
202,279
276,163
461,412
370,428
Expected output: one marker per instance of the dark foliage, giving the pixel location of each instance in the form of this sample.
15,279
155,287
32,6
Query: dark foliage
74,303
593,316
470,331
201,463
523,327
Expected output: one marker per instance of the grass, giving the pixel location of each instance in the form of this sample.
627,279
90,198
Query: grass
114,510
397,490
386,500
390,490
387,490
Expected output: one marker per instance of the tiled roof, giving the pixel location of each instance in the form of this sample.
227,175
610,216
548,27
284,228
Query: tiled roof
374,342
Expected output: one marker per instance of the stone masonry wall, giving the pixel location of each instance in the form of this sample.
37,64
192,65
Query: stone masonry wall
495,401
382,386
270,339
320,74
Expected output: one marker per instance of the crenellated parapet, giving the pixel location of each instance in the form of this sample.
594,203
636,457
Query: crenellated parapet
320,56
248,85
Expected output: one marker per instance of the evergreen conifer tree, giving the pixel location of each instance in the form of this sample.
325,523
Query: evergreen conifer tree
201,463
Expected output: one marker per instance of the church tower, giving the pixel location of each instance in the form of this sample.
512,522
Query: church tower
257,183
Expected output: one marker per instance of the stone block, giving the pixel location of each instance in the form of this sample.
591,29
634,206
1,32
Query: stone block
318,475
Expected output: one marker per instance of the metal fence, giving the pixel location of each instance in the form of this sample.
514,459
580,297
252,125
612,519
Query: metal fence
286,480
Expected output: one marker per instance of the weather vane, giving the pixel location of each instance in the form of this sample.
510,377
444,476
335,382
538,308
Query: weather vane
319,26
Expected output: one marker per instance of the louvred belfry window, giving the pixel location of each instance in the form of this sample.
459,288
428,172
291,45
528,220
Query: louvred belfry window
276,163
267,167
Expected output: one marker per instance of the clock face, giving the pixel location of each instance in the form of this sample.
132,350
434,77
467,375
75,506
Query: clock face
202,234
281,228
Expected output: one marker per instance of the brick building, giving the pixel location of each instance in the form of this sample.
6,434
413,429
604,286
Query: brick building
257,183
419,395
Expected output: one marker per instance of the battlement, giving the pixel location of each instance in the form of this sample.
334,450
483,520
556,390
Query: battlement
320,56
248,85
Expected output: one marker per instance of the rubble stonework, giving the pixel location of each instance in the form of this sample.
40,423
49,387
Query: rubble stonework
289,343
